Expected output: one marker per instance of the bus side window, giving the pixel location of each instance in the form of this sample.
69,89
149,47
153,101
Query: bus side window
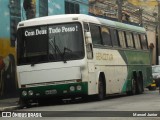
129,40
86,27
122,39
114,37
95,34
137,41
144,41
106,37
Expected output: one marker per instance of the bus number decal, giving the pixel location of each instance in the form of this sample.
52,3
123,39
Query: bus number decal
104,56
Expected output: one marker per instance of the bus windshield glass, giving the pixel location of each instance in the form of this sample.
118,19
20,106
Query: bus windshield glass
49,43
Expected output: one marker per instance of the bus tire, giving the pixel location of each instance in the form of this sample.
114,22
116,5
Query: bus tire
101,89
133,87
139,85
23,103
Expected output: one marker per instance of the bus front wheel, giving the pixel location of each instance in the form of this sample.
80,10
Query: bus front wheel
101,90
23,103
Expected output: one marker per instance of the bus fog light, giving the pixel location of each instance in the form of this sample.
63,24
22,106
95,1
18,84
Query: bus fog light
30,92
79,87
72,88
24,93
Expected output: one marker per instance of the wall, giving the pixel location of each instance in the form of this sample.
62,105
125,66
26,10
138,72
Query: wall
151,34
8,83
56,7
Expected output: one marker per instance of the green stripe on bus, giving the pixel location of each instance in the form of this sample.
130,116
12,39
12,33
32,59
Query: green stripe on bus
135,57
62,89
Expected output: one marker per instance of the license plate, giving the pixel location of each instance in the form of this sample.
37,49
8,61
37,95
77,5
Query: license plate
50,92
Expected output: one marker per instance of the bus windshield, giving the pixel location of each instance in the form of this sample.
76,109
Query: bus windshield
49,43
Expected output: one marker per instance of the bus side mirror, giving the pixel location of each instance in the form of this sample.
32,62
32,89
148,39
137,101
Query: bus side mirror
88,37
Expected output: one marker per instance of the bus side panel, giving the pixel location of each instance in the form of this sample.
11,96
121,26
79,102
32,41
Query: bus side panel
116,77
138,62
112,64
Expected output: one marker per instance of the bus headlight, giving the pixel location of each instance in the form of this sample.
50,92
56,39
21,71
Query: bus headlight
79,87
30,92
24,93
72,88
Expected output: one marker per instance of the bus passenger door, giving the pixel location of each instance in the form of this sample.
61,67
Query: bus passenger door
90,64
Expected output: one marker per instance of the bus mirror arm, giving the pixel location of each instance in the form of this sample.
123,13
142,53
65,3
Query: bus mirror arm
88,37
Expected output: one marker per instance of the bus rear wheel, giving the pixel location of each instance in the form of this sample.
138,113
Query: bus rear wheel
139,86
133,87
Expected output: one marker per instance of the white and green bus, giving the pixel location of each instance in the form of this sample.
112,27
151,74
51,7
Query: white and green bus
78,55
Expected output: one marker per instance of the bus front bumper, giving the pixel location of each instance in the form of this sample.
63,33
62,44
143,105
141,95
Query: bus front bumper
61,90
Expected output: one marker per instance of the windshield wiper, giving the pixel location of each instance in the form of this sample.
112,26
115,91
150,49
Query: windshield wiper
72,53
56,48
64,52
